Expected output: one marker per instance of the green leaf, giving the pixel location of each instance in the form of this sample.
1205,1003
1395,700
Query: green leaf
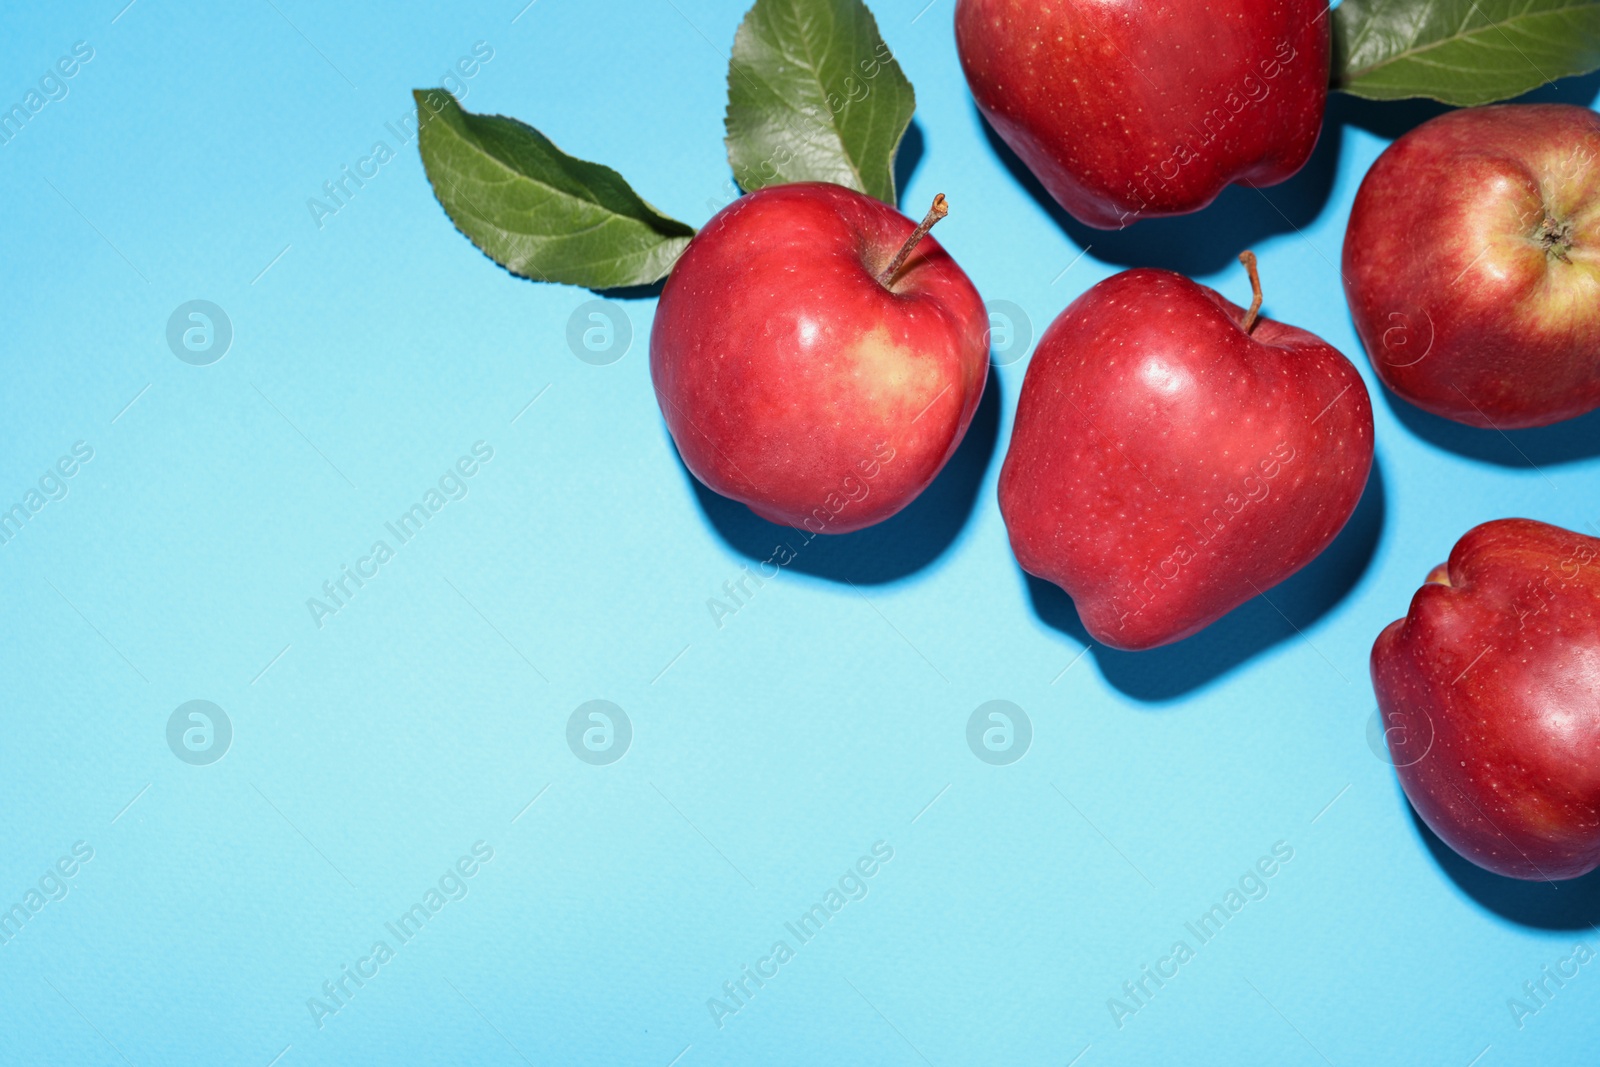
1462,52
535,210
815,95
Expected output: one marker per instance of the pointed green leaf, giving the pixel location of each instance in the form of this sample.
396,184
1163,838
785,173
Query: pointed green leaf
535,210
815,95
1462,52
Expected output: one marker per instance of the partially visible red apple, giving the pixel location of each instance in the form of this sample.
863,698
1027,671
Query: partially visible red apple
1489,690
1144,108
802,371
1472,264
1174,456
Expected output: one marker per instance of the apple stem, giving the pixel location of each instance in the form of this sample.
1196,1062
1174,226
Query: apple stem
938,211
1249,261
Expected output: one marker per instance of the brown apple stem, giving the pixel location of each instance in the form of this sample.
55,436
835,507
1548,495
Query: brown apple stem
1249,261
938,211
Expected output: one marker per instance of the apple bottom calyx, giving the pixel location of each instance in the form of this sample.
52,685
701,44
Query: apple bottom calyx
1555,236
1469,265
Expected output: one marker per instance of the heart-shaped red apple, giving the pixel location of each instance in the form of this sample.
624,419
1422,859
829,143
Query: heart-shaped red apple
1174,456
817,356
1489,690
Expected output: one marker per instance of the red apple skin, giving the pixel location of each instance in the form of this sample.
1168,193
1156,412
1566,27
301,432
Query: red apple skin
1165,466
1454,268
1145,108
793,381
1490,692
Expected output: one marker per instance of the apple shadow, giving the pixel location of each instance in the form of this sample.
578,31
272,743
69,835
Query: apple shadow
1542,446
1391,118
1171,672
1568,905
900,545
1206,241
1382,118
649,291
906,157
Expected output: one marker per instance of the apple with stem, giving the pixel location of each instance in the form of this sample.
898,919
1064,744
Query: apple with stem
1489,691
1147,108
1472,265
818,356
1175,455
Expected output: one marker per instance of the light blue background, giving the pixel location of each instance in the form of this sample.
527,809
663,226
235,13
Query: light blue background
828,714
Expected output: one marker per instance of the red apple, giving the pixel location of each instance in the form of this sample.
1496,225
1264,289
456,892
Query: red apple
1173,456
1472,264
1147,107
794,378
1489,690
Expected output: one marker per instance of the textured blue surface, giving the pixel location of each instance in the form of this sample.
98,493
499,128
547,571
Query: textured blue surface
371,753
